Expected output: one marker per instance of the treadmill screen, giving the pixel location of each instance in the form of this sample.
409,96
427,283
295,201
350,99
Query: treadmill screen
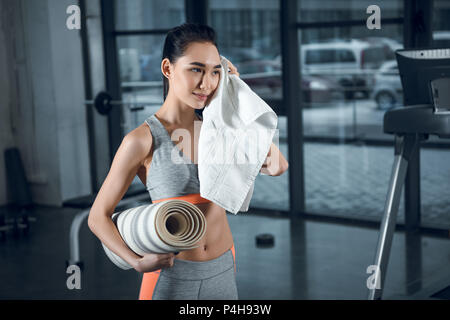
418,68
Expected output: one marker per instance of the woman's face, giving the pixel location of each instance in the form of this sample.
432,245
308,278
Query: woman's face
195,76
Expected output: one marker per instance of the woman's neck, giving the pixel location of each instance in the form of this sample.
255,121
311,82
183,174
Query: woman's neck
177,113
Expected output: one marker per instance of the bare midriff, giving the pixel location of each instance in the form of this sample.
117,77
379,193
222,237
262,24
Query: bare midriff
217,239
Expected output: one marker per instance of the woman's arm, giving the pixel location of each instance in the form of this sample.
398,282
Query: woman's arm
123,169
275,163
128,159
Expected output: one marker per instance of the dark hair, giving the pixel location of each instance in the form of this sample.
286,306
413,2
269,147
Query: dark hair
178,39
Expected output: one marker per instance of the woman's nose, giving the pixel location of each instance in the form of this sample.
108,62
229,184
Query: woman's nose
206,82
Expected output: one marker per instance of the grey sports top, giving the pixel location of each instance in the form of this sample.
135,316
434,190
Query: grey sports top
167,178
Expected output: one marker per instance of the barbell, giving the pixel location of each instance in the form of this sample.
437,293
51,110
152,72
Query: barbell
103,102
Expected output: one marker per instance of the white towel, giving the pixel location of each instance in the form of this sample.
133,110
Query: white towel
235,137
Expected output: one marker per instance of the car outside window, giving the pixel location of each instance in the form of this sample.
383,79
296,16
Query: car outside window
373,57
329,56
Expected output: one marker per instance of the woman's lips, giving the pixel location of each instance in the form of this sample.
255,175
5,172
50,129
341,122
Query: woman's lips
201,97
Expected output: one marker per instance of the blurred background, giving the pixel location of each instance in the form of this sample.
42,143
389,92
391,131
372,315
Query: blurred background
324,212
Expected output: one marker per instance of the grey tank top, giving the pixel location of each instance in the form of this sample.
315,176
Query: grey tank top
167,178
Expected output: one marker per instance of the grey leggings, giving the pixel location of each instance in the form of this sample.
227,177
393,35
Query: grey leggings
204,280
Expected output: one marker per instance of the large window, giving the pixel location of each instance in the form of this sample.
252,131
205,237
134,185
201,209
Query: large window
141,77
326,11
141,26
348,157
148,15
441,24
435,162
248,35
352,79
349,79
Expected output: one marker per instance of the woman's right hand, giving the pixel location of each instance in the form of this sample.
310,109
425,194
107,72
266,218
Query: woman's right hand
154,261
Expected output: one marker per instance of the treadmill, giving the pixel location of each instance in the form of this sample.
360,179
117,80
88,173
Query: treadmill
425,78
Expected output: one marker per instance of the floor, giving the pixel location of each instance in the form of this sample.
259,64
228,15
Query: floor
309,260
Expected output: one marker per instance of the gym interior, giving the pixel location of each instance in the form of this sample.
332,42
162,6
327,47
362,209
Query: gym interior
368,144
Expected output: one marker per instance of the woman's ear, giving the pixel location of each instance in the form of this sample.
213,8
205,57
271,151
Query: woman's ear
166,68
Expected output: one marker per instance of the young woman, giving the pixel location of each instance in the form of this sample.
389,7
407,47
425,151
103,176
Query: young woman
191,70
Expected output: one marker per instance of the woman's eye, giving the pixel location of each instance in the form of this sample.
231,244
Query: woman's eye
216,73
196,69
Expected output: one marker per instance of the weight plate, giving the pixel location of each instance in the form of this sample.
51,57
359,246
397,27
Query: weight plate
265,240
102,103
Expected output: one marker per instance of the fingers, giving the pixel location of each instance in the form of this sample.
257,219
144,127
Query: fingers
170,261
233,71
167,259
231,68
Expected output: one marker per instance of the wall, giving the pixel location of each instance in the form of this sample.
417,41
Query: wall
42,99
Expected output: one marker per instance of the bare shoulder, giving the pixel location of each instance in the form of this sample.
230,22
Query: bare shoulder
139,140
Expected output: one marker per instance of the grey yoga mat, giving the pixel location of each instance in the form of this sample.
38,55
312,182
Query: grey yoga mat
163,227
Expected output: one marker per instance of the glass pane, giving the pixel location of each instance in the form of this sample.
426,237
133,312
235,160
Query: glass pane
441,24
349,79
344,10
249,36
144,14
435,162
344,71
140,77
434,191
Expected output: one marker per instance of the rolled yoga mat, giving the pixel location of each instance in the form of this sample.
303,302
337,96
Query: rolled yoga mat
163,227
